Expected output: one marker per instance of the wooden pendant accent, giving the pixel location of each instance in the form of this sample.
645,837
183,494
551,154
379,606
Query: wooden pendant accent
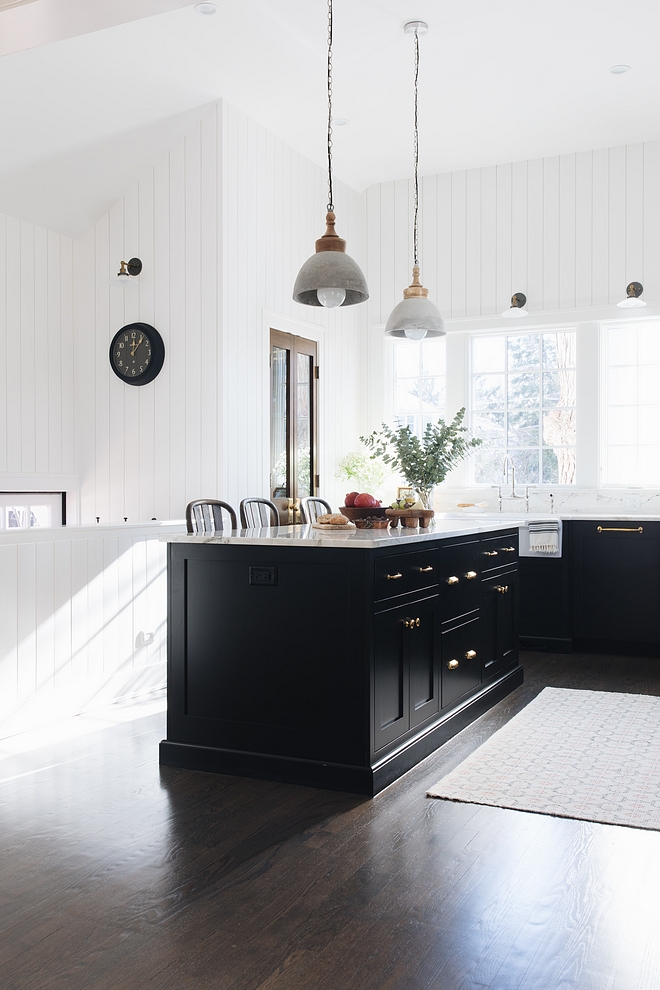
331,241
415,289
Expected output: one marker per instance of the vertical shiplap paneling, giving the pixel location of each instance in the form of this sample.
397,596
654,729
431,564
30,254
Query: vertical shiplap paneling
550,275
54,350
443,243
503,244
651,232
146,495
634,240
428,240
487,303
9,623
178,363
4,341
618,225
192,381
121,416
13,345
132,467
458,243
161,280
27,343
600,227
583,228
567,237
535,230
209,315
473,246
100,398
520,231
41,349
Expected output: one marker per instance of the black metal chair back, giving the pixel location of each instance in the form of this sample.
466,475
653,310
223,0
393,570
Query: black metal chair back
205,516
312,507
258,512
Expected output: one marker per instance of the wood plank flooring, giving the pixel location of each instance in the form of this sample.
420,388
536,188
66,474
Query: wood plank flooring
115,875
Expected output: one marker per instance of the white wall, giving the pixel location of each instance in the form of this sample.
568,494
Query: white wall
36,355
222,224
570,232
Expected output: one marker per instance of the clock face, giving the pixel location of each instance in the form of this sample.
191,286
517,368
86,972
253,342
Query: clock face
137,353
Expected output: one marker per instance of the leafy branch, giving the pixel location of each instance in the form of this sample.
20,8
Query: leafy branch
424,463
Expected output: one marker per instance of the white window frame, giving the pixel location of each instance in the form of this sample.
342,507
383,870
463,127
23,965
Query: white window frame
389,404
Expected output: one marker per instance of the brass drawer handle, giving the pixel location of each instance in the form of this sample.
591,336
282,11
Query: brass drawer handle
452,580
490,553
452,665
425,570
470,655
393,577
619,529
471,575
502,588
509,549
411,623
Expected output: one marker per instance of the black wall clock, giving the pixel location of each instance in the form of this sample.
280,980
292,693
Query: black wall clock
137,353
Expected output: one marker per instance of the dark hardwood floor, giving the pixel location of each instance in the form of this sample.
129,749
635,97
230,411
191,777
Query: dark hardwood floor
117,876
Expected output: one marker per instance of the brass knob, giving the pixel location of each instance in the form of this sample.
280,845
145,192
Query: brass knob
509,549
471,575
425,570
502,588
452,665
406,623
470,655
393,577
417,623
452,580
490,553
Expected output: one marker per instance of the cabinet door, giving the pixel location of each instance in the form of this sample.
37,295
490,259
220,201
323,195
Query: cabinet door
459,579
461,662
406,674
616,581
499,623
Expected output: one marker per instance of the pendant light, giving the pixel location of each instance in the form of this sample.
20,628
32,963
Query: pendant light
416,317
632,300
330,277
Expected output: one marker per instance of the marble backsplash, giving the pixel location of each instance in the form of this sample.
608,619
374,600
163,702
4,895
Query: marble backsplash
628,501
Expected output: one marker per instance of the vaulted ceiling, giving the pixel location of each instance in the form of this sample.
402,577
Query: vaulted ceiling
500,80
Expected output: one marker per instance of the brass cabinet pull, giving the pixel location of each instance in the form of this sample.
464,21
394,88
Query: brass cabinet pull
425,570
502,588
406,623
470,655
490,553
393,577
411,623
452,580
619,529
452,665
471,575
417,623
509,549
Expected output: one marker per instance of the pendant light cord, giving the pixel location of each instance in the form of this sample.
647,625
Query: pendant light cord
331,205
416,153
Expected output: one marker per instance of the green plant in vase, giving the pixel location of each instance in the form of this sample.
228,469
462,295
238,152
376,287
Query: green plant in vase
423,463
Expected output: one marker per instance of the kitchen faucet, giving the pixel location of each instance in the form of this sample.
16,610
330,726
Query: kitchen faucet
508,460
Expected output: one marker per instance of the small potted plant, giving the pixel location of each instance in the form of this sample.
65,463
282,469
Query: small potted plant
423,463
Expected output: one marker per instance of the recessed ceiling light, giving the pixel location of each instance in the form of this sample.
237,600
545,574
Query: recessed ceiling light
618,70
340,121
206,8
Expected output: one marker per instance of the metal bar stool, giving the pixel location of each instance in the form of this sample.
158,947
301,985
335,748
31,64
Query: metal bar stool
258,512
204,515
312,507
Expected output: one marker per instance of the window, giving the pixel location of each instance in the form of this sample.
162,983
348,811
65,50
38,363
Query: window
523,404
631,448
419,383
29,510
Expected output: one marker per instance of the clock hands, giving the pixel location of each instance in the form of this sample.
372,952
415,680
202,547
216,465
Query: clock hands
136,345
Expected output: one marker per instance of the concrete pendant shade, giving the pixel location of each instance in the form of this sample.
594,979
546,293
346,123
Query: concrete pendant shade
330,268
415,317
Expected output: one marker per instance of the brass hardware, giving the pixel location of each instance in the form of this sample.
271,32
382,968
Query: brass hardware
417,623
393,577
502,588
509,549
410,623
452,665
406,623
490,553
452,580
471,575
619,529
425,570
470,655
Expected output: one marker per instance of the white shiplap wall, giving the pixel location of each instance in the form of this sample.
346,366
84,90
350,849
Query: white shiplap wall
72,608
36,353
222,223
570,232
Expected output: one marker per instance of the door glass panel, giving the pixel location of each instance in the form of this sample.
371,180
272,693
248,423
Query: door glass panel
279,426
303,424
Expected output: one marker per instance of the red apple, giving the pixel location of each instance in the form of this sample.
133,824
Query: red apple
350,498
365,501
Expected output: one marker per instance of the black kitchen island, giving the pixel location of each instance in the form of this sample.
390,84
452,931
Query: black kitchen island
336,660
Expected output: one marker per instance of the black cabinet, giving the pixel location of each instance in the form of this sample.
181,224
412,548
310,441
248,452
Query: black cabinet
459,578
461,661
499,622
406,689
616,584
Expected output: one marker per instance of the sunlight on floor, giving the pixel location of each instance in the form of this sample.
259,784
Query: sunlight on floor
81,725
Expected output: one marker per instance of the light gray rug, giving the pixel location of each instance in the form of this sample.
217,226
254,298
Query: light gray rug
592,755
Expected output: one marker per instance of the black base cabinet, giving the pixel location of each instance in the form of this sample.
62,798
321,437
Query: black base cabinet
331,667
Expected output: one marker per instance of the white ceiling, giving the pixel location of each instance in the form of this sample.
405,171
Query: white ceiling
500,80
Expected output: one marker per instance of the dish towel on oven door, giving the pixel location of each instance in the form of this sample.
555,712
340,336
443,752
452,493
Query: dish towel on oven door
543,537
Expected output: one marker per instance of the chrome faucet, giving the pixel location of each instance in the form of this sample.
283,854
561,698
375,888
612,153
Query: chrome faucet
508,460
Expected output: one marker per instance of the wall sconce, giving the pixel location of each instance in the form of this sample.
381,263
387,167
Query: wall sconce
632,300
517,307
128,269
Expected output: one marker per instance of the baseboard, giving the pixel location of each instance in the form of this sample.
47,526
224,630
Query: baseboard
547,644
616,647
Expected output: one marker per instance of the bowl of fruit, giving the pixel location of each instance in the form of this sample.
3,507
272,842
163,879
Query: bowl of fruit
360,505
373,522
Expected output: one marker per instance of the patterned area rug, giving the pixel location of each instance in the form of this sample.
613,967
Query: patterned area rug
592,755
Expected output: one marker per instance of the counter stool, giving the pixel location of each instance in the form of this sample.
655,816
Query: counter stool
312,507
258,512
204,515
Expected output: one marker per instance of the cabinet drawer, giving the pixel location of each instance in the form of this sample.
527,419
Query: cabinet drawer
405,572
461,661
499,551
459,579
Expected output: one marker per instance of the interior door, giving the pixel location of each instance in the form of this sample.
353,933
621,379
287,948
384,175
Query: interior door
293,420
